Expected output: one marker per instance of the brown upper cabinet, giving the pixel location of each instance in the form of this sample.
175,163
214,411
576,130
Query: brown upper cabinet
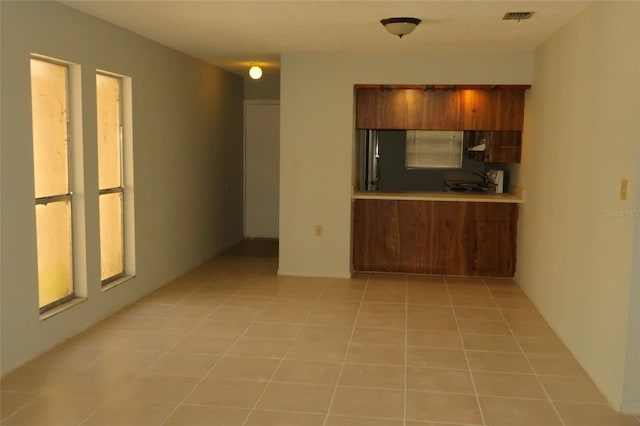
509,109
381,109
479,109
502,146
439,108
434,109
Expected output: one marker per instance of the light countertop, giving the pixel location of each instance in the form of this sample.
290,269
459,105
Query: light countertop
441,196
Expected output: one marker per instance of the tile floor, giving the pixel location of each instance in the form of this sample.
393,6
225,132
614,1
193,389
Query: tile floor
230,343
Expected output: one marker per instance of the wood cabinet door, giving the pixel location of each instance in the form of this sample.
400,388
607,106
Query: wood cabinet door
496,233
381,109
509,113
376,235
434,109
493,257
479,108
503,147
416,236
454,238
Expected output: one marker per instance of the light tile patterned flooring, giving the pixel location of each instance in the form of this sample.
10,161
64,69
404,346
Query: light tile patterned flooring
230,343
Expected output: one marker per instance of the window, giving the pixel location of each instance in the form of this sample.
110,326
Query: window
52,171
114,196
434,149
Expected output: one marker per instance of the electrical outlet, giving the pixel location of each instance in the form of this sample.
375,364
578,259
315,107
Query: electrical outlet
623,189
319,231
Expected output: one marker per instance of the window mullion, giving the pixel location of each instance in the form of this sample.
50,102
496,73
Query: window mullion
53,198
111,190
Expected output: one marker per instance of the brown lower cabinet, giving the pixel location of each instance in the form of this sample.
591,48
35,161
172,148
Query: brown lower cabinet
435,237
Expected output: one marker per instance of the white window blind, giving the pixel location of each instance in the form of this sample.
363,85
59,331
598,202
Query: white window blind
434,149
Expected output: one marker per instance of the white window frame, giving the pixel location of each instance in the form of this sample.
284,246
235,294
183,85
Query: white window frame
75,188
127,186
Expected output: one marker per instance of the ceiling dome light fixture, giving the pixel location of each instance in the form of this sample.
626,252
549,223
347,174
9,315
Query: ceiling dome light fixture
400,26
255,72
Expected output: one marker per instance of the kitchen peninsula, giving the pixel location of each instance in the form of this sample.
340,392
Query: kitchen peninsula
433,231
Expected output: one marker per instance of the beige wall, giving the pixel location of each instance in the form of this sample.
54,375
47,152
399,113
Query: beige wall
317,131
265,89
582,136
187,136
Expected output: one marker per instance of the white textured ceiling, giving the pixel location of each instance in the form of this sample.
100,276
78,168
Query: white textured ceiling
233,34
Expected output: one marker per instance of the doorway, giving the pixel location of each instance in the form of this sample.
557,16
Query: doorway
261,169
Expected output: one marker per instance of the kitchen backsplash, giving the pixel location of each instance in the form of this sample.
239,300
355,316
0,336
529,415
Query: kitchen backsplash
394,175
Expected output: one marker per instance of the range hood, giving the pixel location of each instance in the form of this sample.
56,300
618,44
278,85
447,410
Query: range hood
478,148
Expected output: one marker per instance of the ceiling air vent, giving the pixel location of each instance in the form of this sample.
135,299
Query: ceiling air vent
517,16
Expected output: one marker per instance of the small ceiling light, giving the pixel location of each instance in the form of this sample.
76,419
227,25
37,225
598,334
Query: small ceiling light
255,72
400,26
